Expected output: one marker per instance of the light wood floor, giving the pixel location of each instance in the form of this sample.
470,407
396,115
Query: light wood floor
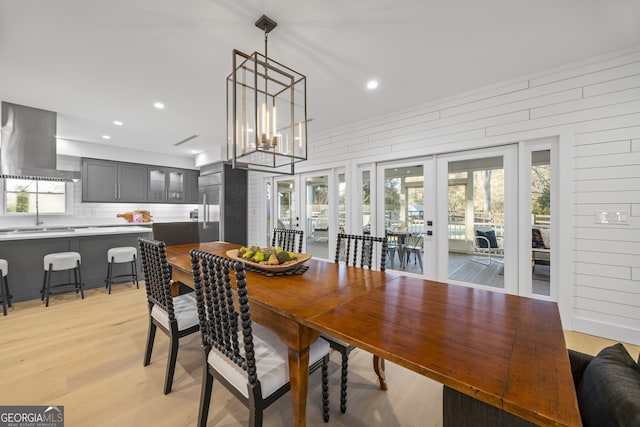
87,355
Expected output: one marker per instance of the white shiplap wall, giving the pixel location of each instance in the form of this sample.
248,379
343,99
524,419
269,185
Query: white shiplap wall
593,108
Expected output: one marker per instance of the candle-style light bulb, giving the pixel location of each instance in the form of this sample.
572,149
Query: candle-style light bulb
263,124
273,140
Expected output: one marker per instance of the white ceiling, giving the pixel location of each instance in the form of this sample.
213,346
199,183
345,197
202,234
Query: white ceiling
95,61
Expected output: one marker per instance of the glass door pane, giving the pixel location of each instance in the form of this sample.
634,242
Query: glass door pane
541,222
286,209
267,192
342,202
176,185
404,216
317,215
157,184
476,220
366,202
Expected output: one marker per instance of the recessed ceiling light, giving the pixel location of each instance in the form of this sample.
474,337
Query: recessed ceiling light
106,137
372,84
158,105
117,123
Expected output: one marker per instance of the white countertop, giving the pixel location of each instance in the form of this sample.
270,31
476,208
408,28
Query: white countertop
27,233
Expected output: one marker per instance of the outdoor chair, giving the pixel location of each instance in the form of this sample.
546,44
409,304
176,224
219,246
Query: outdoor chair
413,245
487,246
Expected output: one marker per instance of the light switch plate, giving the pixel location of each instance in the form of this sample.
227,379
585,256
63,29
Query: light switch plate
612,217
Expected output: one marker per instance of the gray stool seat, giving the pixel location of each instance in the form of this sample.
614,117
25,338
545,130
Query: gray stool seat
122,255
61,261
5,296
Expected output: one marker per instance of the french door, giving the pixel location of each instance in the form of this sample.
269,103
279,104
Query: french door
477,195
477,218
405,213
315,203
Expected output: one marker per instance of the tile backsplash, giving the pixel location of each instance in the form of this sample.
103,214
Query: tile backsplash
80,213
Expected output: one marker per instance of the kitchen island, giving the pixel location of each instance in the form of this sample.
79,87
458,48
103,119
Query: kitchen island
25,247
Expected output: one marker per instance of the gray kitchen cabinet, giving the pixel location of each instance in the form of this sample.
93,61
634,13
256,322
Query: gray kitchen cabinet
110,181
25,256
192,186
106,181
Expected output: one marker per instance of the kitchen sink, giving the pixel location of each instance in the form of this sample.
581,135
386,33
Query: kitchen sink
36,230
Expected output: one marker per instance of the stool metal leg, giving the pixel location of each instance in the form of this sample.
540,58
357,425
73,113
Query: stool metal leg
134,271
109,274
44,286
80,279
48,291
7,293
4,294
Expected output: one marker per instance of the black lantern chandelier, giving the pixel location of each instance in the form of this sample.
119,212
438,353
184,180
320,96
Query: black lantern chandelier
266,111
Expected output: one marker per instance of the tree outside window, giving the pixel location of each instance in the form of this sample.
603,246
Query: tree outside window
30,196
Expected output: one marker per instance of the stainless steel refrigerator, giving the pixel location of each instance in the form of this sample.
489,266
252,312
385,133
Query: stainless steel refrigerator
209,206
222,214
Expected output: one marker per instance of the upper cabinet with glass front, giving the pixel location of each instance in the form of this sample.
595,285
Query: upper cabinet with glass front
172,185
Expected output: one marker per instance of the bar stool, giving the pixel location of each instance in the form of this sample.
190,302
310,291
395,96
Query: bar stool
120,255
5,296
61,261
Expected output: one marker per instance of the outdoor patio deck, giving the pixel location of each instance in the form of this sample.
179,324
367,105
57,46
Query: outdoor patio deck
461,268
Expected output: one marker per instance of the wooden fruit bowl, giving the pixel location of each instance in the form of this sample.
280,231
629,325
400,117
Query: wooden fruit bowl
300,258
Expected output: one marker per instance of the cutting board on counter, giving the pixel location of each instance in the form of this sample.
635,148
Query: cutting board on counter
136,216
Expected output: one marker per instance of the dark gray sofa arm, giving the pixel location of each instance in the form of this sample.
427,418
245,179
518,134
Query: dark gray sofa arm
579,362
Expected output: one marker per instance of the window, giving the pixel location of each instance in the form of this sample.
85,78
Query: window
28,196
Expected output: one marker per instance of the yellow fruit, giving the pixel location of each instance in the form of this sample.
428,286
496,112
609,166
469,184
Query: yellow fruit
273,260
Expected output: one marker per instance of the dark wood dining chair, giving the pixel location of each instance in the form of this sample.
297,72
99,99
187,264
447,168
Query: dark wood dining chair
247,358
288,239
177,317
176,233
357,251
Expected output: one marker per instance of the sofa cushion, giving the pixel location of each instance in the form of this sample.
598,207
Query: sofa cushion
609,393
536,239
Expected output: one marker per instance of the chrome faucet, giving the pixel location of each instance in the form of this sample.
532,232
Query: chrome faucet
38,222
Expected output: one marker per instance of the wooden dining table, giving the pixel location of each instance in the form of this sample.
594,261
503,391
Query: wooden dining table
504,350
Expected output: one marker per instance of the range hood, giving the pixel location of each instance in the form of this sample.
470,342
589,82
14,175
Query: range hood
28,144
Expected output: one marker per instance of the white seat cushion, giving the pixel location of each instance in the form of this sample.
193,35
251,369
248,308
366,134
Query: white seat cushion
184,308
122,254
62,260
4,266
271,360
